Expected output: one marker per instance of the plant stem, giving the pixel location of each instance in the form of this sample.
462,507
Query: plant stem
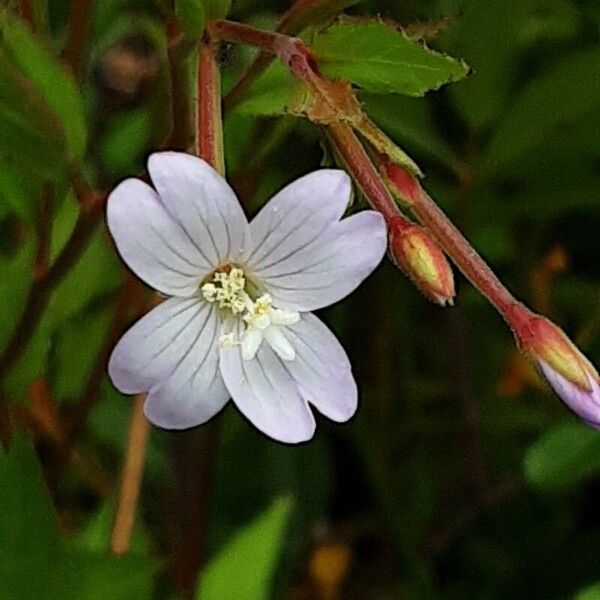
209,135
131,478
181,113
362,170
78,29
453,242
44,283
302,14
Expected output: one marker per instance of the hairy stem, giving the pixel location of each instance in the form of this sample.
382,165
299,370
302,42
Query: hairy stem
453,242
209,135
363,171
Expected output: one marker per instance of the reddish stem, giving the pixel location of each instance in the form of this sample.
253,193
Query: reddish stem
209,140
78,29
453,242
302,14
362,170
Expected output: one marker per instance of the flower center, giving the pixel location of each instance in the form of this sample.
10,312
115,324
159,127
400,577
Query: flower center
230,290
227,290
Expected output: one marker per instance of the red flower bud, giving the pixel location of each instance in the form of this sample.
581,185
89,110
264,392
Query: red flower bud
421,259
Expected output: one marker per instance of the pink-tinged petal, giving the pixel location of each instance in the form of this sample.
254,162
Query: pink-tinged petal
322,369
265,392
202,202
297,215
149,352
586,403
151,242
327,269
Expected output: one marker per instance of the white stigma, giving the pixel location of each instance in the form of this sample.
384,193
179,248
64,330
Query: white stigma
263,322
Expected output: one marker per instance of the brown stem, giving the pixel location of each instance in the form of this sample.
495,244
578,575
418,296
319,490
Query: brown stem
193,459
78,30
209,136
42,287
91,393
44,232
131,478
181,132
456,525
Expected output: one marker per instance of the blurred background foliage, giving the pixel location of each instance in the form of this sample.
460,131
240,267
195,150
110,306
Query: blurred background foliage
461,476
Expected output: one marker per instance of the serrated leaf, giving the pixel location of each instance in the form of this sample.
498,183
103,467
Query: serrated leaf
380,58
557,97
563,457
48,77
243,570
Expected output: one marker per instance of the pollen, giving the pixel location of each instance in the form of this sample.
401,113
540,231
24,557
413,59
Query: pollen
226,289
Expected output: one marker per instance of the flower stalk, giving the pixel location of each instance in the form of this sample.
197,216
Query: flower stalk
410,246
451,240
209,134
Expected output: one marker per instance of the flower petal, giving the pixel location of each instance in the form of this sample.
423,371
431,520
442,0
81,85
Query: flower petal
202,202
265,392
585,403
150,351
322,369
152,244
327,269
297,215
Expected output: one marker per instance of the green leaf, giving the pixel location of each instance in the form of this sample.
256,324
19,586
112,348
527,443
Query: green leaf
591,592
216,9
28,530
564,456
48,77
272,93
19,192
380,58
244,569
191,17
408,121
83,337
37,562
96,274
27,122
556,98
487,36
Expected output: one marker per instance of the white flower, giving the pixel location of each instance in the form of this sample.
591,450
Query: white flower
237,323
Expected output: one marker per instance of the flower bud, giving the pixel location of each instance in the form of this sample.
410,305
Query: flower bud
421,259
568,372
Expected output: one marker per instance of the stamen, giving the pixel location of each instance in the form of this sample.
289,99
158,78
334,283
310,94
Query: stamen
227,290
227,340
